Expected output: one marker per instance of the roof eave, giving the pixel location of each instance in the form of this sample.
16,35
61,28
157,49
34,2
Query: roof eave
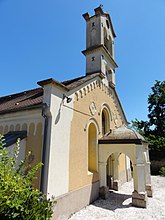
95,75
121,141
22,109
54,82
97,47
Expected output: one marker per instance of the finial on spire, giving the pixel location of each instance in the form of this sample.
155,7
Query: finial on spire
101,6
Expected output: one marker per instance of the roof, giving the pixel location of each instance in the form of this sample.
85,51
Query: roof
70,84
11,137
74,83
20,101
122,134
32,99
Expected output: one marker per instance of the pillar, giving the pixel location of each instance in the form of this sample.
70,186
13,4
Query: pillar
102,173
110,172
148,175
139,195
104,190
116,173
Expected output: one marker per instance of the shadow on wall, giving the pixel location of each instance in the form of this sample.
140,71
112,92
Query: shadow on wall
114,201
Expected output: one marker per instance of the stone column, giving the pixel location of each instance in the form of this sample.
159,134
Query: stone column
116,174
148,175
102,173
139,195
104,190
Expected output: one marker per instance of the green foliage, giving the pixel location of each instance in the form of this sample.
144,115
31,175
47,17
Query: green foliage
18,198
156,107
162,171
154,129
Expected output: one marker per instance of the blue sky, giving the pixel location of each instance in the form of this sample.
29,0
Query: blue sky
42,39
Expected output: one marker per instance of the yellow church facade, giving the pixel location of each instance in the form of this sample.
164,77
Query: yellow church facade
78,129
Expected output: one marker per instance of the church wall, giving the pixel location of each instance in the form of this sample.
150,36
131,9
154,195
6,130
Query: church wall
21,155
59,114
78,163
32,122
93,62
93,30
109,30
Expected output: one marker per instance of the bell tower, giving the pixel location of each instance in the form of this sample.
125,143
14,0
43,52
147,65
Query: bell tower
99,51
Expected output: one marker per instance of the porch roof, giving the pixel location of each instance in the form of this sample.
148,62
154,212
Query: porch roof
122,135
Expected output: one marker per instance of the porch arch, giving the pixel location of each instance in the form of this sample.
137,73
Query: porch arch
132,144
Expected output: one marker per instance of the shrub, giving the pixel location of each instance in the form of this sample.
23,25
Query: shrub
18,198
162,171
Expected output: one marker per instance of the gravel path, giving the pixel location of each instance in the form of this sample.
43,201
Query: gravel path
118,205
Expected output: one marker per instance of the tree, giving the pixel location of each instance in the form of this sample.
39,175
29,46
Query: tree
154,129
156,107
18,198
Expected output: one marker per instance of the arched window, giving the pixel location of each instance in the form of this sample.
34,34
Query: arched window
108,42
92,148
105,38
110,45
105,122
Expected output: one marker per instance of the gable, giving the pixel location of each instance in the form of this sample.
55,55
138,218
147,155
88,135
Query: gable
96,87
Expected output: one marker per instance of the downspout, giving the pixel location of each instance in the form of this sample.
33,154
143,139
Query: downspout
43,169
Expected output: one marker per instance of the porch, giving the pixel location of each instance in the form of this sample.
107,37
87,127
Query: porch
133,145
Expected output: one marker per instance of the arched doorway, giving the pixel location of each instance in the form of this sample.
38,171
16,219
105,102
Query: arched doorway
118,168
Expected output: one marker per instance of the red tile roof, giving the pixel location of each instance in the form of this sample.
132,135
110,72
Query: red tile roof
20,101
34,98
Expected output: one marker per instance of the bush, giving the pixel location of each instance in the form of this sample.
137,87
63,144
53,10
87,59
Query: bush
162,171
18,198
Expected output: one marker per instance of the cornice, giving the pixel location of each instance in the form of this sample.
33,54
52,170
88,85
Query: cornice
103,49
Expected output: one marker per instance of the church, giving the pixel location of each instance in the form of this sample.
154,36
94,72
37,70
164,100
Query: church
78,129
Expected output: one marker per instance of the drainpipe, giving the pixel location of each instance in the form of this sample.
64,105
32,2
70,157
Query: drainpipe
43,169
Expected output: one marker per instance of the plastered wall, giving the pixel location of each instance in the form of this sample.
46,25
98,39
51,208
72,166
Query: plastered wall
82,117
32,122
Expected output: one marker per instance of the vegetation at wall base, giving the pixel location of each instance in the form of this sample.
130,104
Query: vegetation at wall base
18,198
162,171
154,129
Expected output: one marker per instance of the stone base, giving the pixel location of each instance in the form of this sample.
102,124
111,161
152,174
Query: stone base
104,192
74,201
116,185
149,190
139,199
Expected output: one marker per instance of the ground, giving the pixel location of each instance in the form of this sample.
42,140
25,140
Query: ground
118,205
